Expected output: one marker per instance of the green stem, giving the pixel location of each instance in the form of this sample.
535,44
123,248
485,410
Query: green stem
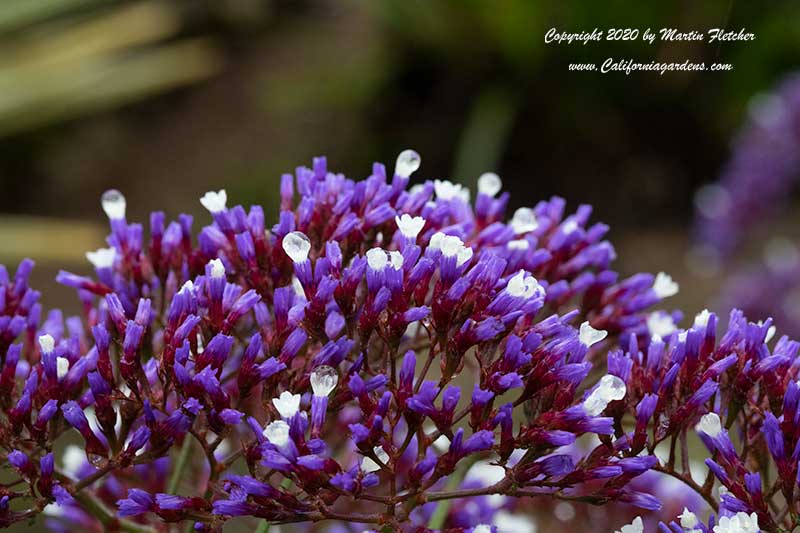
97,509
484,136
180,466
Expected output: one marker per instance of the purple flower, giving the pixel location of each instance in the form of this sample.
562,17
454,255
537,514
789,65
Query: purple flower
343,335
20,461
233,508
138,502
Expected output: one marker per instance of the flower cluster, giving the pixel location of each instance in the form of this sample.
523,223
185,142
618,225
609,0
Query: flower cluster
692,386
383,355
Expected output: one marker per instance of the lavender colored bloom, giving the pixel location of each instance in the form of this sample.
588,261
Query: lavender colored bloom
19,460
233,508
342,337
137,502
62,496
171,502
231,416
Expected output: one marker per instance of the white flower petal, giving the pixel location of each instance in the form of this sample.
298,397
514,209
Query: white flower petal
214,201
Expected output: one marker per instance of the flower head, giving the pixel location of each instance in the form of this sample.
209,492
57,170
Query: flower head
287,404
446,190
102,258
710,424
47,343
609,389
62,367
409,226
277,433
637,526
590,336
217,268
664,287
215,201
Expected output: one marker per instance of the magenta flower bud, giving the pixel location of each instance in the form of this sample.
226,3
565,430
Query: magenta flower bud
422,402
357,385
286,191
269,368
702,394
246,247
185,329
61,496
22,410
450,399
637,465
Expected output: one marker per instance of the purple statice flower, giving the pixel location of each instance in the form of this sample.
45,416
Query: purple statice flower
138,502
695,383
348,362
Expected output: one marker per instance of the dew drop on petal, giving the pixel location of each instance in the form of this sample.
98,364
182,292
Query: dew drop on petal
323,380
489,184
297,246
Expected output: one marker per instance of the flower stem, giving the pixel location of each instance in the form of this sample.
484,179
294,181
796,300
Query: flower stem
180,466
85,482
97,509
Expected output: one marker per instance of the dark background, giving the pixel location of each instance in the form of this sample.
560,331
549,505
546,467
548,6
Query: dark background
165,100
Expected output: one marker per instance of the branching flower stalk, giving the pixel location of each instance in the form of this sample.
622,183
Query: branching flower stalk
373,344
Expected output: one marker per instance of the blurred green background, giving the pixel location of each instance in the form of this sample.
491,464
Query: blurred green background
167,99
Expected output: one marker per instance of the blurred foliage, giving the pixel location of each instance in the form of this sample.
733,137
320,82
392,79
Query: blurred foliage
503,42
169,98
53,239
63,58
